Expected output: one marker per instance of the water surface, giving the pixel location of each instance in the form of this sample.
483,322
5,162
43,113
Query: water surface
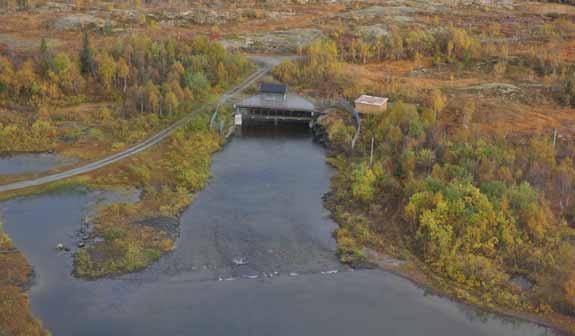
264,206
21,164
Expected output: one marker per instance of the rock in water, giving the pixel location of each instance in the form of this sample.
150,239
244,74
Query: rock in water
239,261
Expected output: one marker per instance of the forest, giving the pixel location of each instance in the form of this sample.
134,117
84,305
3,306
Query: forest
149,82
475,210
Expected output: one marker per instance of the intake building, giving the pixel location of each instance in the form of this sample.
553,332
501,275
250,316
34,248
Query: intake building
274,104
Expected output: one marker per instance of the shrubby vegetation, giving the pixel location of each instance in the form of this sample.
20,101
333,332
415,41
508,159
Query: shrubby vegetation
323,59
168,178
40,136
15,272
149,76
150,82
475,209
319,67
448,44
20,4
444,47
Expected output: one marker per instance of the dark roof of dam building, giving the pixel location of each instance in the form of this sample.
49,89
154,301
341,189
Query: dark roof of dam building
273,88
289,102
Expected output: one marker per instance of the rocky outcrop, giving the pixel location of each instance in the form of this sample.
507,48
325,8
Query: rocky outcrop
76,22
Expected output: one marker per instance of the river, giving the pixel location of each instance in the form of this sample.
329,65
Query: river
263,209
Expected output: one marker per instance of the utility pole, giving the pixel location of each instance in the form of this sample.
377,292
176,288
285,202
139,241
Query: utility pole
371,153
554,137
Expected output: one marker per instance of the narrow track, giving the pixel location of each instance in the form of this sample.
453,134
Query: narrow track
151,141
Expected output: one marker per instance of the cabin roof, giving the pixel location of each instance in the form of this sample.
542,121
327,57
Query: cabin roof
371,100
273,88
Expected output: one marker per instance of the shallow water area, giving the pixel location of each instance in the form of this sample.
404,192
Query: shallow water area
21,164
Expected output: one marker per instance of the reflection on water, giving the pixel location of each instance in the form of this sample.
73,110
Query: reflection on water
255,257
31,163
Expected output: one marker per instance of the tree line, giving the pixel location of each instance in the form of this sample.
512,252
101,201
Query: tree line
143,77
443,44
153,75
323,58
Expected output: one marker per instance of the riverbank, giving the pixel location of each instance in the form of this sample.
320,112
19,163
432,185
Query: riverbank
437,286
15,280
359,254
168,176
122,238
376,234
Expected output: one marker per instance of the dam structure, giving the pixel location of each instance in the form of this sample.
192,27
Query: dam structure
274,105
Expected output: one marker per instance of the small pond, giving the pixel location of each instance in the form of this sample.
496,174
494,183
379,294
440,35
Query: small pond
21,164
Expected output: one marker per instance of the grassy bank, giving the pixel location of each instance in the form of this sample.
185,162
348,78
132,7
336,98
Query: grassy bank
168,175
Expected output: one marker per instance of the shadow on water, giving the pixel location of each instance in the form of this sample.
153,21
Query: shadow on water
286,131
259,227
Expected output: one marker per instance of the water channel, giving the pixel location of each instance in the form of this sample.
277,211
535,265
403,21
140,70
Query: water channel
263,207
